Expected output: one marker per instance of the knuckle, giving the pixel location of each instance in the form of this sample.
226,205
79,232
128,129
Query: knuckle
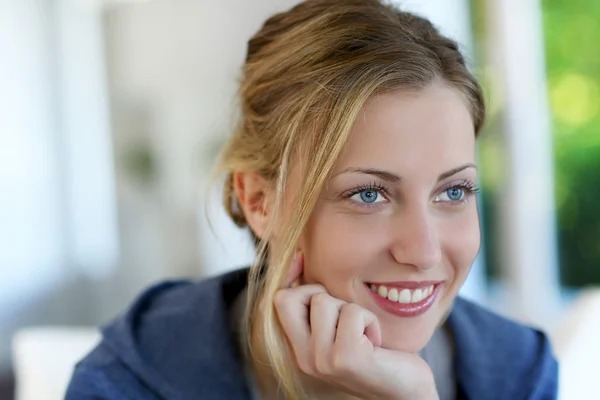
319,299
340,361
306,366
351,309
321,288
280,298
323,366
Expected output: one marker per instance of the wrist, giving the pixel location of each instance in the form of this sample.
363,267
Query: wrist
425,394
430,394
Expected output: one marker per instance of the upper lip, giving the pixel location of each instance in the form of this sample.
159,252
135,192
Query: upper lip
406,284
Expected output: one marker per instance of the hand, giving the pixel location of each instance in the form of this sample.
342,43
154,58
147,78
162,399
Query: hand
339,343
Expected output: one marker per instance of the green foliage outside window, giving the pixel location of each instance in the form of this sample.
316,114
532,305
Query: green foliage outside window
572,43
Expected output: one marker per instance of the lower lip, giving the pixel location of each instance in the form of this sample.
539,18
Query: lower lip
406,310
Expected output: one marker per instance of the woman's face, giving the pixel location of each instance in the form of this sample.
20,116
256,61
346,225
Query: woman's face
396,228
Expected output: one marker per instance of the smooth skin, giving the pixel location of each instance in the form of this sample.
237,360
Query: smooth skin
400,206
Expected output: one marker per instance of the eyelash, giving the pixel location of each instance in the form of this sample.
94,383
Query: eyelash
375,187
467,186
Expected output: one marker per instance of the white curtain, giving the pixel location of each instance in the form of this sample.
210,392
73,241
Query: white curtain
57,216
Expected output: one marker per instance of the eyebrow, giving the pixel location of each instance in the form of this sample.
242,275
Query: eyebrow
386,176
391,177
455,171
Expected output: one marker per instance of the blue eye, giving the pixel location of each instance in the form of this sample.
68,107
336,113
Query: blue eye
455,194
367,196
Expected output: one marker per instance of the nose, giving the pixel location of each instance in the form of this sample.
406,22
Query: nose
415,240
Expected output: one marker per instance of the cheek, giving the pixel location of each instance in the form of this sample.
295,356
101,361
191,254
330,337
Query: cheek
336,249
461,241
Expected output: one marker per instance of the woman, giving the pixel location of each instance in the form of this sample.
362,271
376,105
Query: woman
354,169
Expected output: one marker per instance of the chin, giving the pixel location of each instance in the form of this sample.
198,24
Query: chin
408,336
411,334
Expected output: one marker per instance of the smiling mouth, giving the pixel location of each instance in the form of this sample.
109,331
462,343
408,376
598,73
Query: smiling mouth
403,295
404,301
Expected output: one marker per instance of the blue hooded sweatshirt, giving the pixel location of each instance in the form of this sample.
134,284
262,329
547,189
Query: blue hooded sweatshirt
176,343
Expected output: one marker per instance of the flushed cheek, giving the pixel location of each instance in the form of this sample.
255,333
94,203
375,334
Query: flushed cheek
460,243
339,250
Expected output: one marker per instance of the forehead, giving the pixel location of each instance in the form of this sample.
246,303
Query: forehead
429,128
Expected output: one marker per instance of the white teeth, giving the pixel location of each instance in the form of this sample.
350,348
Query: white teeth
393,295
417,296
429,290
404,296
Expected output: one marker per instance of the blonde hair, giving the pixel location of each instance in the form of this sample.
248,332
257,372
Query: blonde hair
307,76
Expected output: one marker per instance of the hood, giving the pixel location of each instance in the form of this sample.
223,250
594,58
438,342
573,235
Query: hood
176,338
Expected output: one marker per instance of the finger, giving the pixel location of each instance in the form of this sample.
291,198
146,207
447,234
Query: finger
295,270
292,307
353,323
324,314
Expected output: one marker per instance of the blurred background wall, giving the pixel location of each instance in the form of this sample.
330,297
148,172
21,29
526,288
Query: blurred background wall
112,113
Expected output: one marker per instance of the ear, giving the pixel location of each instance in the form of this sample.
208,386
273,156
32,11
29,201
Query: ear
251,190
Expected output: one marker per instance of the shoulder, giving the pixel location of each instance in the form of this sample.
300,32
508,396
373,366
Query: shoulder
101,375
495,353
472,320
175,335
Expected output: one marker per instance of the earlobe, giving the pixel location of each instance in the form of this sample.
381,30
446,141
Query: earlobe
251,192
